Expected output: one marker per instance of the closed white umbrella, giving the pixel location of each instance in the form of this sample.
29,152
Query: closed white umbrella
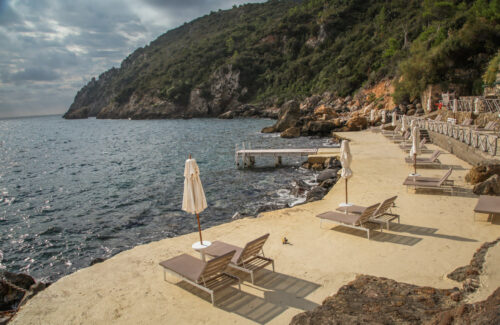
193,200
394,118
372,115
383,116
476,106
429,104
403,124
415,146
455,106
345,160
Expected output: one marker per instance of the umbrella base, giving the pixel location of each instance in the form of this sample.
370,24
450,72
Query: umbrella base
344,204
198,246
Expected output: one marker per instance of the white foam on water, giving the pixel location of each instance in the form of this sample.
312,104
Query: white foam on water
299,200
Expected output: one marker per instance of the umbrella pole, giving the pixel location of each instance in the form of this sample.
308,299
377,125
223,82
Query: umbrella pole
415,163
199,227
346,201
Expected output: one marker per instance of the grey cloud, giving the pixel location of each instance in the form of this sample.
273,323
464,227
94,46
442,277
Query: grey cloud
33,74
51,48
7,15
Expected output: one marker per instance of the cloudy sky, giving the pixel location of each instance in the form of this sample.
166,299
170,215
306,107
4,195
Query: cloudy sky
49,49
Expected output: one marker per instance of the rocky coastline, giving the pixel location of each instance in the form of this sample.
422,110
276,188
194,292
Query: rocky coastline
370,298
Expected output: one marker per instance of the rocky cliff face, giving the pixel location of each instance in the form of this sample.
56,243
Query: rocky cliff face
90,100
99,99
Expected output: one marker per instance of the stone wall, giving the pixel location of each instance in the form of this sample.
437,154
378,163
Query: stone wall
467,153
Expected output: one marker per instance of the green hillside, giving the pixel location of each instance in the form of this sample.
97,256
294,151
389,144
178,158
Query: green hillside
281,50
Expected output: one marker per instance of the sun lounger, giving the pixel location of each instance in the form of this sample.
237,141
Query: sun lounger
248,259
405,146
207,276
356,221
382,215
489,205
427,161
429,182
405,137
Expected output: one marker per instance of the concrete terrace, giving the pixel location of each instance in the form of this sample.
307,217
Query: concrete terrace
437,234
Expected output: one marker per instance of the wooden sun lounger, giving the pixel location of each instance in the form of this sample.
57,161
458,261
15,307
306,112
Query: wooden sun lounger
357,221
428,161
489,205
248,259
382,215
207,276
429,182
405,146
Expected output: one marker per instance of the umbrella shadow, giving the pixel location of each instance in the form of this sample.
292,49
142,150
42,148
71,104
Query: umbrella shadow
280,292
426,231
380,236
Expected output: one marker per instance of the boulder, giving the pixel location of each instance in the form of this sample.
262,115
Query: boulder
315,194
309,103
293,132
491,186
317,166
322,128
268,129
271,207
357,123
299,187
322,109
227,115
327,174
328,183
481,173
288,116
411,112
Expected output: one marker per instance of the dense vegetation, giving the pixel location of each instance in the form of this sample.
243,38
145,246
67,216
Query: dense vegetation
292,49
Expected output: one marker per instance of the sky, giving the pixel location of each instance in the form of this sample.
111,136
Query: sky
49,49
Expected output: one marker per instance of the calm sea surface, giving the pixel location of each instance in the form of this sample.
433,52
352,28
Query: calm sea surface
75,190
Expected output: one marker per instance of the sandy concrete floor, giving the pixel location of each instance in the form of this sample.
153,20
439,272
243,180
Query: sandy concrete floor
437,234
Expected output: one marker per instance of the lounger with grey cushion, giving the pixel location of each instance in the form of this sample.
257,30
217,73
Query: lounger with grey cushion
401,138
248,259
406,146
382,215
430,182
352,220
208,276
427,161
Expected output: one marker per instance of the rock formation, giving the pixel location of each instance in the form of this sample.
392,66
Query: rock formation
370,299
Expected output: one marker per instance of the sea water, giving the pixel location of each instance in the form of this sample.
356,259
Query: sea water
72,191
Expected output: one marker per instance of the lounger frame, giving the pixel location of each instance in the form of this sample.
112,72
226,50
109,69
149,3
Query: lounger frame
211,279
364,223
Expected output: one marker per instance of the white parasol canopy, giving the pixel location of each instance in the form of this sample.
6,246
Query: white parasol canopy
345,160
394,118
193,200
415,146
